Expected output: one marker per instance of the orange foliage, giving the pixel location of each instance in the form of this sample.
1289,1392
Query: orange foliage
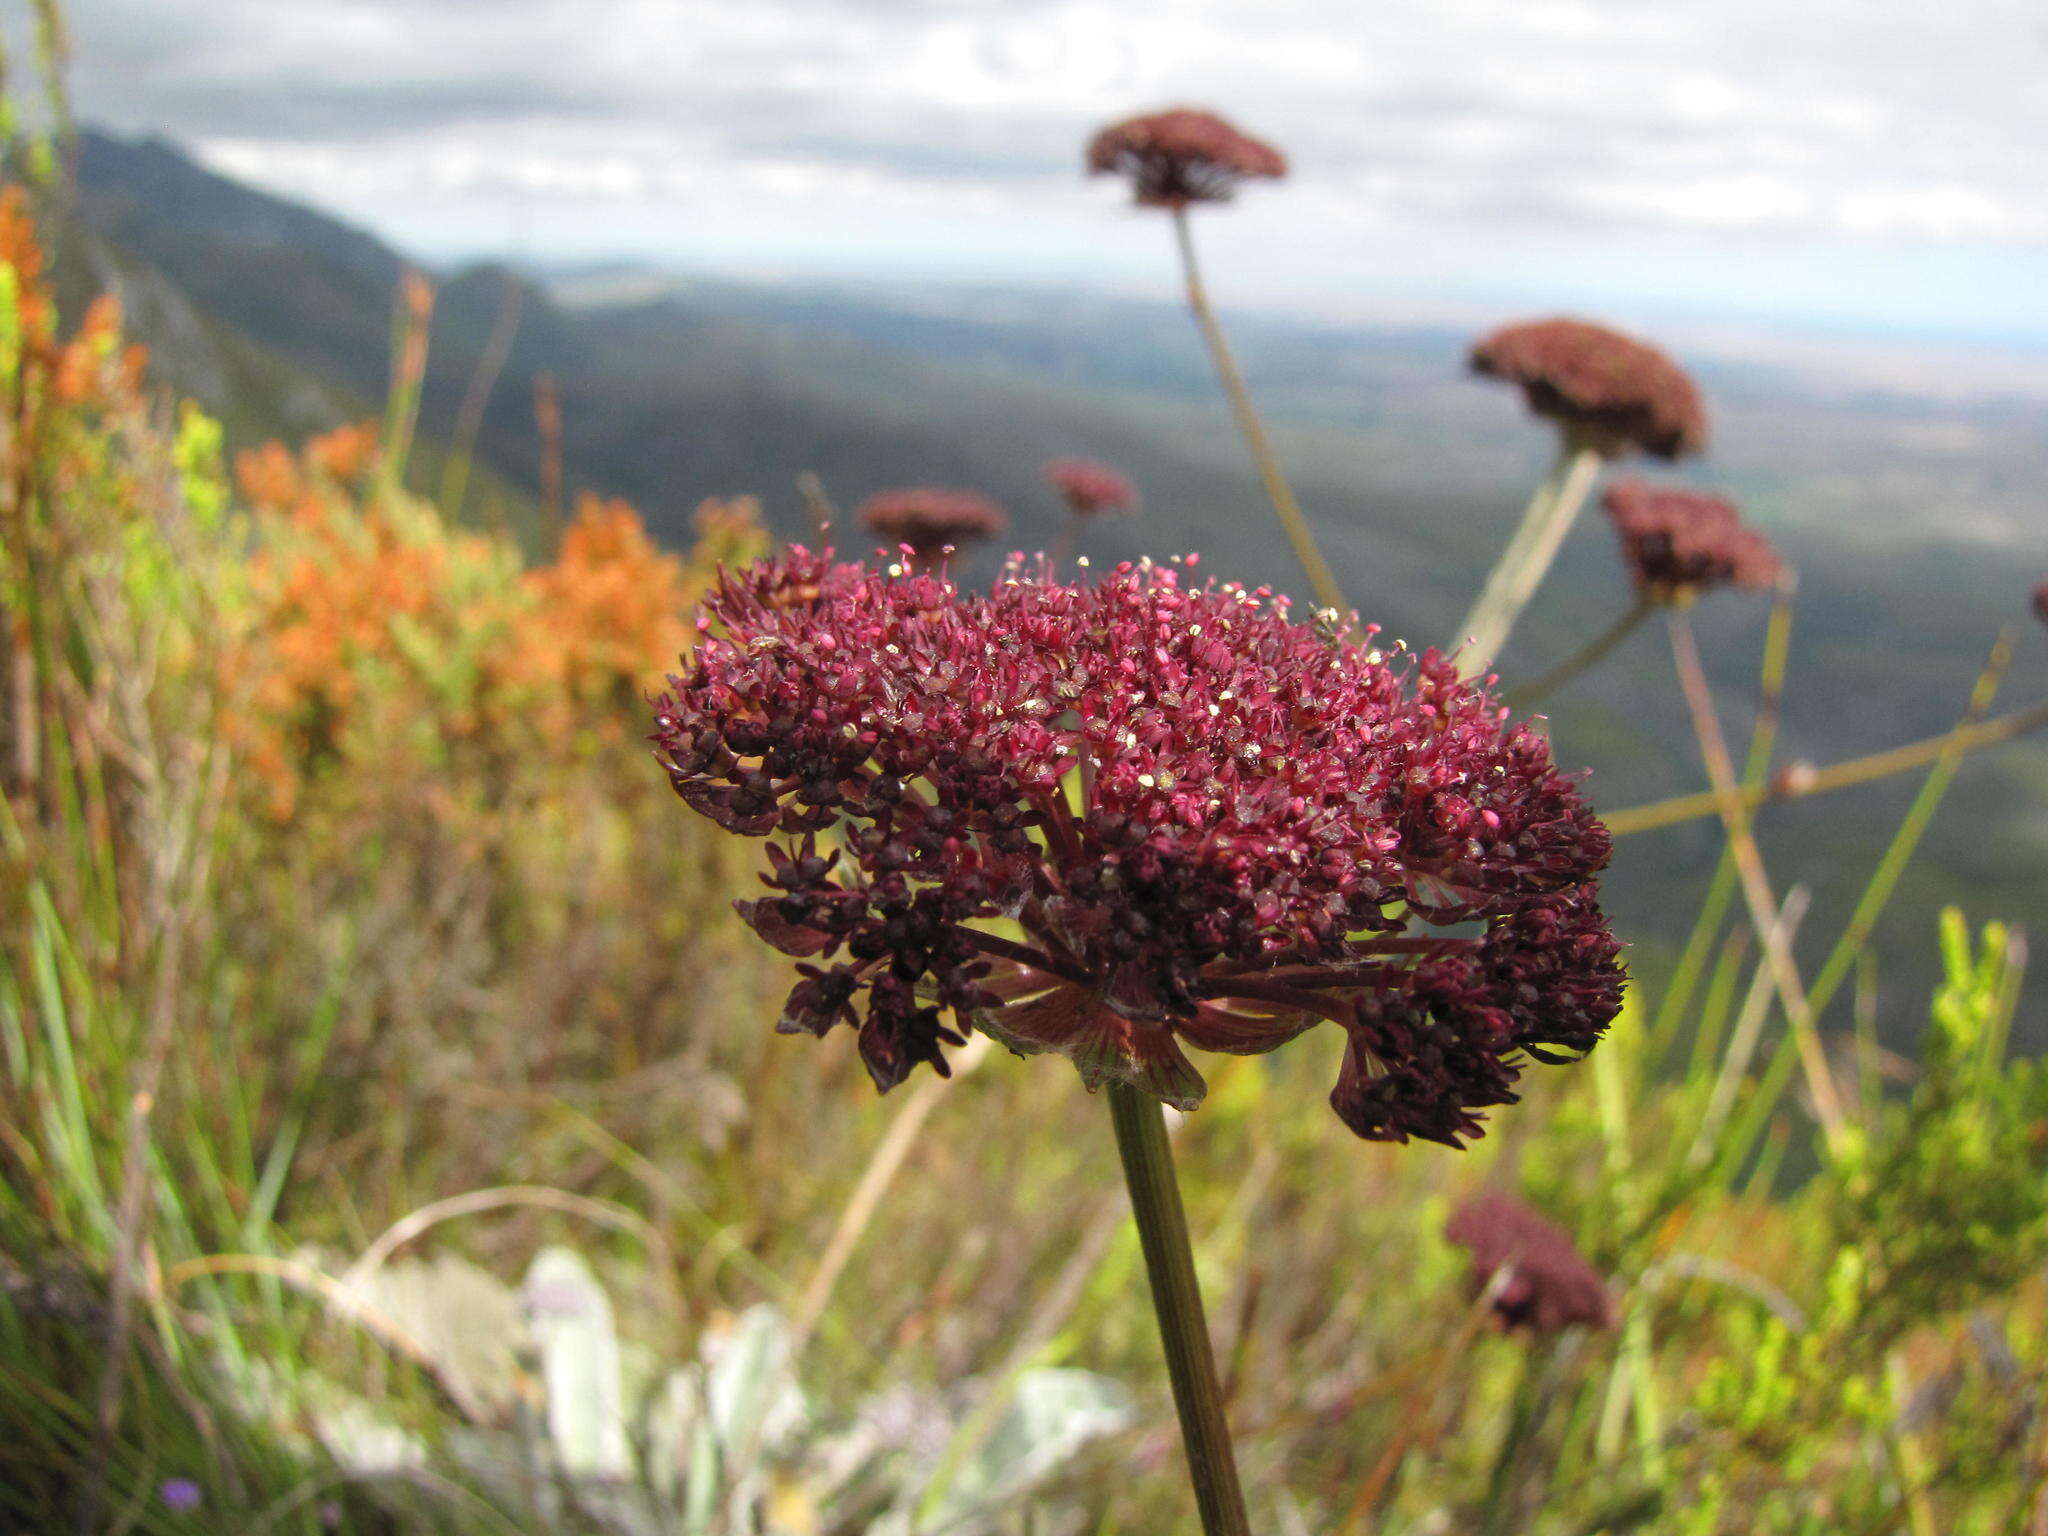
610,607
268,477
93,369
345,454
382,640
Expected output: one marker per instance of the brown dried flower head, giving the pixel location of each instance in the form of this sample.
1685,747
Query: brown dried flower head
1548,1285
1181,156
1089,488
1679,543
930,519
1615,393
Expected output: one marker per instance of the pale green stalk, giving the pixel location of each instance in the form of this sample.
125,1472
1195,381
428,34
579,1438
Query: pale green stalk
1528,556
1322,581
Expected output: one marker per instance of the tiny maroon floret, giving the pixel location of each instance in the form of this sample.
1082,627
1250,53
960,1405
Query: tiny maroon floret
1181,156
1111,820
1680,543
2041,602
930,519
1548,1285
1614,393
1090,488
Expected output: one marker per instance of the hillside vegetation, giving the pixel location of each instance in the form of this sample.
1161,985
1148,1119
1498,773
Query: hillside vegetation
393,1136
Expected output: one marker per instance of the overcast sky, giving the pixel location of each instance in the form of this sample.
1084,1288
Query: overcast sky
1871,164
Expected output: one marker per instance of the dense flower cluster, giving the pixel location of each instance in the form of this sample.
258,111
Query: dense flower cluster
1090,488
930,519
379,642
2041,602
1679,543
1548,1286
1614,392
1181,156
1108,820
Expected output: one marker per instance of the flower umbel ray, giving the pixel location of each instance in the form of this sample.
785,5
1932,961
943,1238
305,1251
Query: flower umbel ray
1114,820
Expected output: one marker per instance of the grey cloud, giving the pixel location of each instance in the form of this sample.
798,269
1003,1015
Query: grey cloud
1530,112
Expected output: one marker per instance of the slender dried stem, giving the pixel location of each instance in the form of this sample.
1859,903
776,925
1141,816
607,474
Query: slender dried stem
1586,657
469,421
547,421
1844,775
412,315
883,1166
1322,581
1755,882
1177,1299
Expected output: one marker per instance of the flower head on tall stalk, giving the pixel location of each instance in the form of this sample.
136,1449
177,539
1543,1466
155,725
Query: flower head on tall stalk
1613,393
1680,543
1182,156
929,520
1175,160
1610,395
1114,820
1089,488
1547,1286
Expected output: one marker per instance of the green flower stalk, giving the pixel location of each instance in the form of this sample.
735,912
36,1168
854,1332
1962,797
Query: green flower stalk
1118,820
1174,160
1609,395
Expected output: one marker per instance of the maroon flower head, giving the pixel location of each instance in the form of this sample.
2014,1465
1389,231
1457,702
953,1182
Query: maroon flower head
1117,819
930,519
1614,392
1548,1286
1181,156
1090,489
1680,543
2041,602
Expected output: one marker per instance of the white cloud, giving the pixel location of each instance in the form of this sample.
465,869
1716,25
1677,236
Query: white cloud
808,127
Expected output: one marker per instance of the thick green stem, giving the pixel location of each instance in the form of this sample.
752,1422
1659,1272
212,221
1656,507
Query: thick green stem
1527,558
1177,1299
1322,581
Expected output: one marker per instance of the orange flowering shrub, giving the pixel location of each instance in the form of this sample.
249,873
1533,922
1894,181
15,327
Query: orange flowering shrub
89,484
607,609
383,639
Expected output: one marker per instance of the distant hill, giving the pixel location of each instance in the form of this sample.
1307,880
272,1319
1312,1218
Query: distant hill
1915,521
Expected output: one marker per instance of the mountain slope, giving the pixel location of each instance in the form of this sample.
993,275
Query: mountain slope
673,391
